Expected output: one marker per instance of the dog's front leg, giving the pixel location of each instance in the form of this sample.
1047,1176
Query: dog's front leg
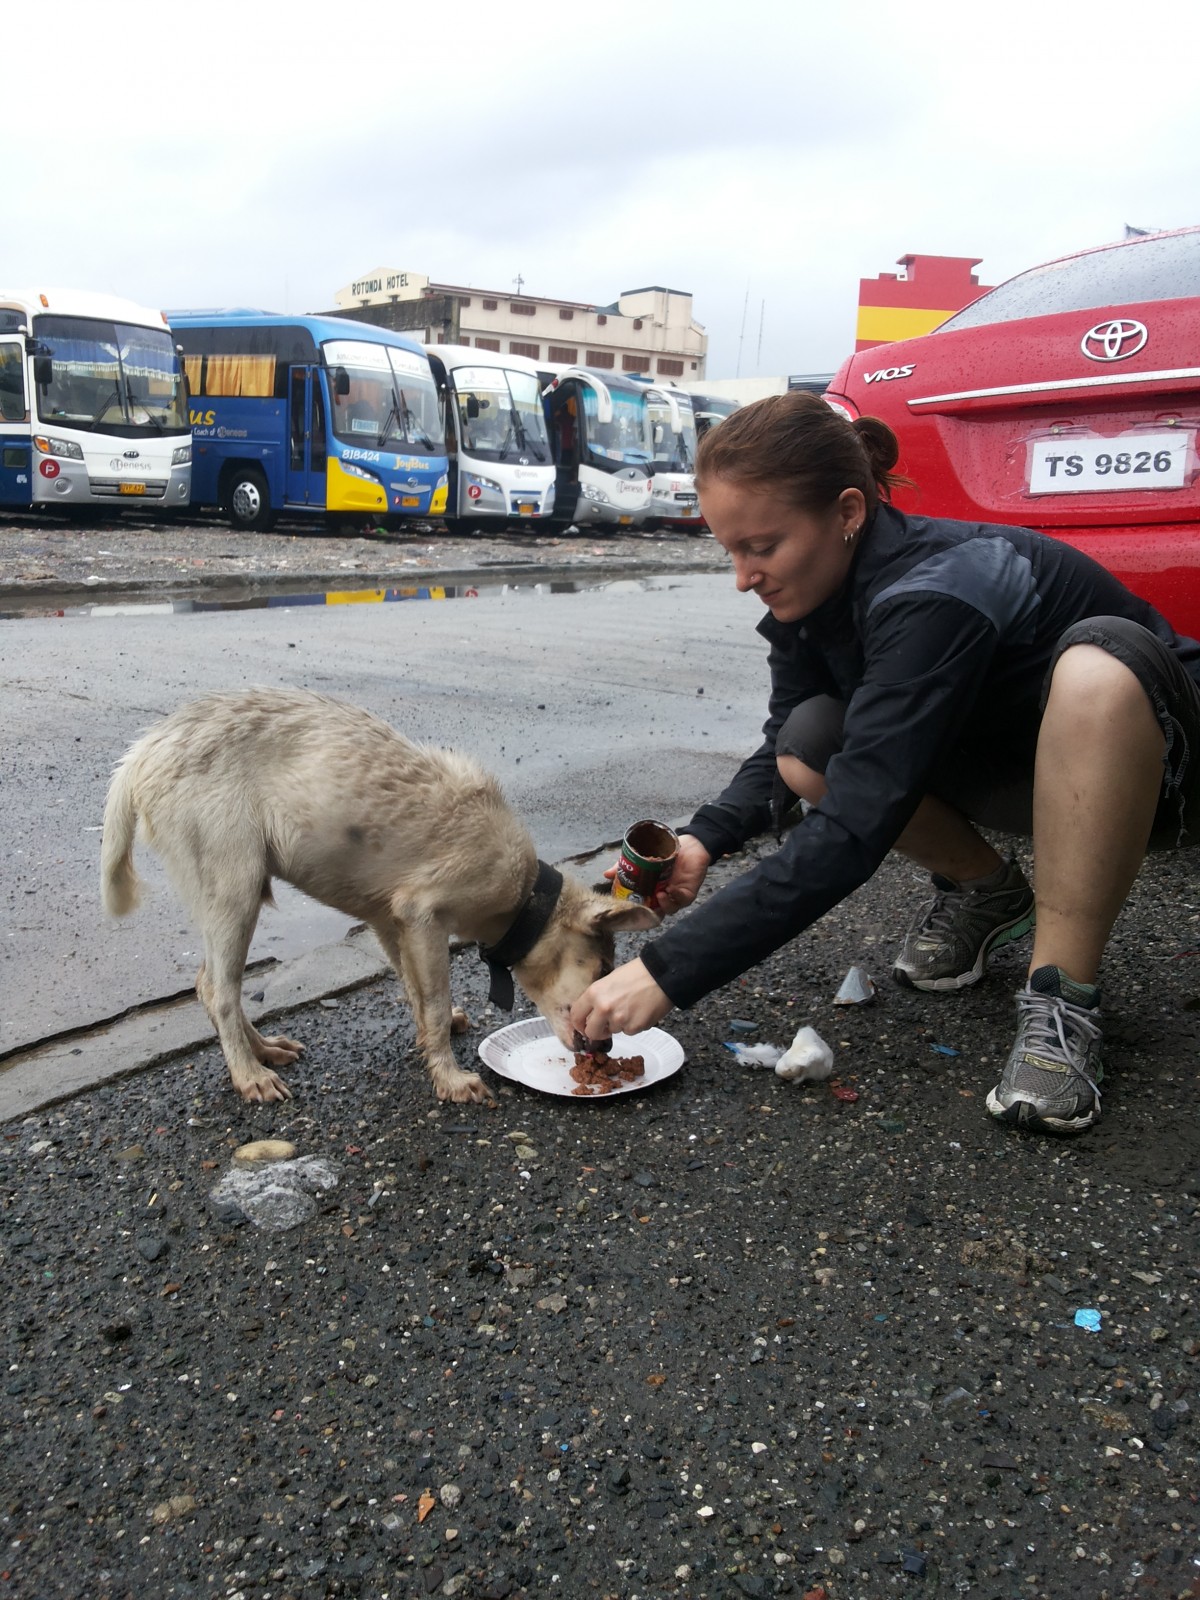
420,953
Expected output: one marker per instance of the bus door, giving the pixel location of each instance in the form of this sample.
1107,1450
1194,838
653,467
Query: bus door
306,437
16,488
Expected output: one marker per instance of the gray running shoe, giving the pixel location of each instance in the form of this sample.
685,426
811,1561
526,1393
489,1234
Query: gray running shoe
948,945
1051,1080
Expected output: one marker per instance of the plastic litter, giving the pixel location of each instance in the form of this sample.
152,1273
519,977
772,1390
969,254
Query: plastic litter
1088,1319
755,1055
943,1049
858,989
276,1194
808,1059
839,1091
742,1025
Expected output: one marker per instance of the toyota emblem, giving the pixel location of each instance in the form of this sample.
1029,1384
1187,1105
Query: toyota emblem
1114,341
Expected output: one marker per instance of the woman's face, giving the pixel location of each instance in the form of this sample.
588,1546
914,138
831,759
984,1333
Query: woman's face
792,560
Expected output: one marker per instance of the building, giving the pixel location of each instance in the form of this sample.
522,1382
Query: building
903,305
649,330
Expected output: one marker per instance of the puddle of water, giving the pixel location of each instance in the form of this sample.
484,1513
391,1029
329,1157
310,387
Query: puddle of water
21,610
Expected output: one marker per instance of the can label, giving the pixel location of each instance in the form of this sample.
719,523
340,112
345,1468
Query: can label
646,862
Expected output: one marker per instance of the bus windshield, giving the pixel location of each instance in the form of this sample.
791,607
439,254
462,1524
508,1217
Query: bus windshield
623,442
109,377
500,414
389,400
673,452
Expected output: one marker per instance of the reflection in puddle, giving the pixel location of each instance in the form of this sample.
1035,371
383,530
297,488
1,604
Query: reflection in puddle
329,597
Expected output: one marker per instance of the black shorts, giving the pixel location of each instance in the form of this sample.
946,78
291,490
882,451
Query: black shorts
1002,798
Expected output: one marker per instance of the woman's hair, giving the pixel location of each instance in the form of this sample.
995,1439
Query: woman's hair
797,446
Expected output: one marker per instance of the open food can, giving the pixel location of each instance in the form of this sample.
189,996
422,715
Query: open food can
647,860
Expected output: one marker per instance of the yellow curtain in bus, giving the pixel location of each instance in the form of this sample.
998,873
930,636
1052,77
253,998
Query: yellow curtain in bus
232,375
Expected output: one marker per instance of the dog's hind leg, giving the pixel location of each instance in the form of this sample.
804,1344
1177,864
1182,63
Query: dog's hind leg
228,927
420,954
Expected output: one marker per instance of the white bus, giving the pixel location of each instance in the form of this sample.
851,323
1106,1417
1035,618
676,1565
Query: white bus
600,434
496,439
673,499
92,404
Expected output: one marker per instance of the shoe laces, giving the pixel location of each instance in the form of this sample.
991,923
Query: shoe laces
1056,1031
937,915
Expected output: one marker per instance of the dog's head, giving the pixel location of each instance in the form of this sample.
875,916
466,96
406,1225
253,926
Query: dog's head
577,947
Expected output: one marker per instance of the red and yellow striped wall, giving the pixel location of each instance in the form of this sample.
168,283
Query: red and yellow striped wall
903,306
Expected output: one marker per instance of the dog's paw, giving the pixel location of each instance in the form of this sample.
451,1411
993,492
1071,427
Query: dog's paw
459,1020
463,1088
278,1051
263,1088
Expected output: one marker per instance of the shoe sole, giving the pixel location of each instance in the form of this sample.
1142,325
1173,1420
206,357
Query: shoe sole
1016,929
1024,1114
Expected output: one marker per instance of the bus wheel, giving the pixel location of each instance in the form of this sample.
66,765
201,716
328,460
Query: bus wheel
249,500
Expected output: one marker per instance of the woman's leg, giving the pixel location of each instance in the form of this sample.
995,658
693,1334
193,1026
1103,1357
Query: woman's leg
1096,788
938,838
979,900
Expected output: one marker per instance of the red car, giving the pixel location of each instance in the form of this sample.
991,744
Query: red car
1067,400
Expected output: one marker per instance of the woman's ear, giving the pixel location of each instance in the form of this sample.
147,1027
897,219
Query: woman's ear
852,510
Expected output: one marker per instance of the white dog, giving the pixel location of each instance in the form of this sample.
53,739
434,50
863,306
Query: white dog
236,789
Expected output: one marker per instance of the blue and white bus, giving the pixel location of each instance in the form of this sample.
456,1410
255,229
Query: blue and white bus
92,408
673,499
309,415
600,434
500,462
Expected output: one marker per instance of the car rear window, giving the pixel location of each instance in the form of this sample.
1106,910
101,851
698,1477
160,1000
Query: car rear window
1162,268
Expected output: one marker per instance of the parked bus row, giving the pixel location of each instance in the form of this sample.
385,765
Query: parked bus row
258,414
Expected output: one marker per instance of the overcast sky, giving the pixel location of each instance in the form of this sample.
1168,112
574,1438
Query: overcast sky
764,157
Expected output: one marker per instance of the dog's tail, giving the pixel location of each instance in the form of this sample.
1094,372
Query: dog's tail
119,886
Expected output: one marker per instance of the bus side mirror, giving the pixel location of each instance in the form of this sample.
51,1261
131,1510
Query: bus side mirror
341,382
472,406
43,371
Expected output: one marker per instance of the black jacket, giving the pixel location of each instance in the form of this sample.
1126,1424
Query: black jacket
939,643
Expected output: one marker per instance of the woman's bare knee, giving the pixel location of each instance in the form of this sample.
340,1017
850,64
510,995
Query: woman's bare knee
801,779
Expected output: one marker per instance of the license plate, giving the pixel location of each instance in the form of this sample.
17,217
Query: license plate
624,521
1119,465
131,488
525,509
410,500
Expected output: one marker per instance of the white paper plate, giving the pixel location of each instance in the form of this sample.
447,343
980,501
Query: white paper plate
528,1053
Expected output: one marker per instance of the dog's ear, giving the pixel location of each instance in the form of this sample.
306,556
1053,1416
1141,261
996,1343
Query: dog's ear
624,916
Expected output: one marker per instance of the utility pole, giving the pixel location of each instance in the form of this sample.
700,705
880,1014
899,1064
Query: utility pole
742,334
519,281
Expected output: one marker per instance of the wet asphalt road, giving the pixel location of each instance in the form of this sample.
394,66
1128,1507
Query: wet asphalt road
725,1337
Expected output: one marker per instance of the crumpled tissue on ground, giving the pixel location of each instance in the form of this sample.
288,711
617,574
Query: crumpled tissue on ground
808,1059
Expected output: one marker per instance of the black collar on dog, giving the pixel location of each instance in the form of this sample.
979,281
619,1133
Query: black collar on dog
523,933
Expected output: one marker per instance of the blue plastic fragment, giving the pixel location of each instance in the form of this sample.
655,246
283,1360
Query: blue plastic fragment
944,1049
1088,1319
740,1025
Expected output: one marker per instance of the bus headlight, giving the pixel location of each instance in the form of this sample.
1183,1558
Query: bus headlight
181,455
66,448
484,483
353,471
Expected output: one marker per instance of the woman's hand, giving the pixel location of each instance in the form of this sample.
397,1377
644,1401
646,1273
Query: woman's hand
692,862
626,1001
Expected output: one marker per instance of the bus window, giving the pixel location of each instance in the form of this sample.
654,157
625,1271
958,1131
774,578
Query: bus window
12,383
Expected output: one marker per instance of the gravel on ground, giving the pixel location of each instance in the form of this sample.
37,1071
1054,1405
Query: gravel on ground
726,1337
43,560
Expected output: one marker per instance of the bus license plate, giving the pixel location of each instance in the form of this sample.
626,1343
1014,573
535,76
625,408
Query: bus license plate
410,500
624,521
525,509
131,488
